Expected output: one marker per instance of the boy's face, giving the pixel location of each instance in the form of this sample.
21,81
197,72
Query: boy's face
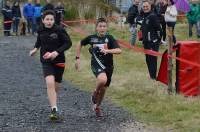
101,28
48,21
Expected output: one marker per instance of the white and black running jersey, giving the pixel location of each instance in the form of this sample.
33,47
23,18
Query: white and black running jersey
96,43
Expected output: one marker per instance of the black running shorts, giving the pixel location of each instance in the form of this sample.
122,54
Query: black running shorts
52,69
97,69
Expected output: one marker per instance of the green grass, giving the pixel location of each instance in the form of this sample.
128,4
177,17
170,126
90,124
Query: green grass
131,88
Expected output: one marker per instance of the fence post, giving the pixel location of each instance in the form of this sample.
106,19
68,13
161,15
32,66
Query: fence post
170,65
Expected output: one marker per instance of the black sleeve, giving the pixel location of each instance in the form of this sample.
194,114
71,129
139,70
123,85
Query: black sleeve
86,41
113,44
65,40
156,25
38,42
131,15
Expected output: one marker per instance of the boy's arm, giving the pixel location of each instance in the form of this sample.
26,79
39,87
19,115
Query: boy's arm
114,47
38,42
66,40
36,47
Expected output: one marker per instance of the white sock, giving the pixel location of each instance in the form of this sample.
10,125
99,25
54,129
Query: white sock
55,108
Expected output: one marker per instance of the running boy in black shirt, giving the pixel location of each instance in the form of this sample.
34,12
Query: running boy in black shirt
52,41
102,48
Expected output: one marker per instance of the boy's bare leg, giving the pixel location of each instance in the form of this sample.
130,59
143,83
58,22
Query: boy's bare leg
101,95
51,90
57,87
100,87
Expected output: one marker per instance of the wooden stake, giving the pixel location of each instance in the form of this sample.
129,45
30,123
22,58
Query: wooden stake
170,65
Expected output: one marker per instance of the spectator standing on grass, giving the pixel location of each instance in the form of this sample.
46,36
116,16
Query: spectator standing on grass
28,12
151,32
160,9
7,18
53,41
60,11
198,21
102,48
16,12
133,13
192,17
171,17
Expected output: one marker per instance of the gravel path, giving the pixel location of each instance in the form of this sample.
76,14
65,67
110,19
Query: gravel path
23,99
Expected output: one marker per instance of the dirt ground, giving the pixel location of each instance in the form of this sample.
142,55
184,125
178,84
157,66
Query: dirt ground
23,100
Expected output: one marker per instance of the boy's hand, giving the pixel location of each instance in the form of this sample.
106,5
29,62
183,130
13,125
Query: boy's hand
54,55
102,50
32,52
50,55
47,55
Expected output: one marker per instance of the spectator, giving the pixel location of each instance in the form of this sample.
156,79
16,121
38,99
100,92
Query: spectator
7,18
160,9
151,32
48,6
37,15
192,17
133,13
16,12
171,16
28,11
198,22
59,10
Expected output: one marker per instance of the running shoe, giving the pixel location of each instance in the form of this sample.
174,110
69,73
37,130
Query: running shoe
98,112
54,115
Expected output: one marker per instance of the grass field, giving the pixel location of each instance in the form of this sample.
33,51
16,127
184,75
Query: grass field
132,89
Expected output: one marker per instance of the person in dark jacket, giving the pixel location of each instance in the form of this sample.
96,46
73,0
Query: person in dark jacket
59,10
133,13
7,18
160,9
53,41
151,32
28,12
16,12
48,6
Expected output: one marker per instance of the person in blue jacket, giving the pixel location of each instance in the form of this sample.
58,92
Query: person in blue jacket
16,12
37,16
28,11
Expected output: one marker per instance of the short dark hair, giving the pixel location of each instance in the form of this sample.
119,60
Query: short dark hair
48,12
101,19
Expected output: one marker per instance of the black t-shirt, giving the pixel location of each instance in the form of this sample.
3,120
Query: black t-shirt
53,39
97,43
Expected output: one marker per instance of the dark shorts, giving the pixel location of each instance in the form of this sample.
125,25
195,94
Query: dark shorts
53,69
97,69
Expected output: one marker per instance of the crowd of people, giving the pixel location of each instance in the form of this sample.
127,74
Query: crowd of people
27,17
154,16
